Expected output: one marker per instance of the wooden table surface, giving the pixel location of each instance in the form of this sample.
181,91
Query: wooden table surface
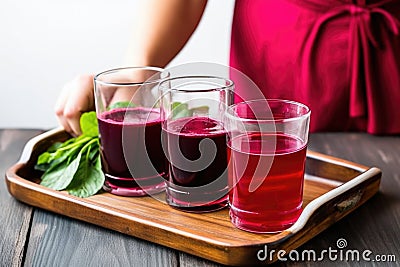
35,237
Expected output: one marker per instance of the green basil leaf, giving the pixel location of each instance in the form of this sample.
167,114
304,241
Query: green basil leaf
89,124
75,164
95,151
121,104
42,167
88,179
180,110
66,143
69,154
59,177
44,158
54,147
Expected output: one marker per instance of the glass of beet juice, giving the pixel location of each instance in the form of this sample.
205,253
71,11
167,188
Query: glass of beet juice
130,130
267,142
194,139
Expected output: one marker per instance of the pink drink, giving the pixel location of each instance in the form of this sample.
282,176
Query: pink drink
277,203
192,187
132,155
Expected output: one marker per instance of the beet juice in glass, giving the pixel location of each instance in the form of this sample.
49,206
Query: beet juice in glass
267,142
194,139
130,130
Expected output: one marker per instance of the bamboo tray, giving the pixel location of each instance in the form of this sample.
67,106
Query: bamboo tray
333,188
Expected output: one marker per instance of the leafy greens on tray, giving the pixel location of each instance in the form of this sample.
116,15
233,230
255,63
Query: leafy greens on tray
74,165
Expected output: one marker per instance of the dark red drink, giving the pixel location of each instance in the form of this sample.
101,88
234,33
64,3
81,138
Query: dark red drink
197,164
132,155
277,203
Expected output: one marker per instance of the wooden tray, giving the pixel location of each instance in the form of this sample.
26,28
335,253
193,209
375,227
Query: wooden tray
333,188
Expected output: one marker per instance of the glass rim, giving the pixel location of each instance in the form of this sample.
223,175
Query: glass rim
216,88
229,112
96,78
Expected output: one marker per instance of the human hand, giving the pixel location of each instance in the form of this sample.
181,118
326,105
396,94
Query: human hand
76,97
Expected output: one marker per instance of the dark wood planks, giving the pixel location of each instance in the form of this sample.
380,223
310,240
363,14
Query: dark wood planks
56,240
14,216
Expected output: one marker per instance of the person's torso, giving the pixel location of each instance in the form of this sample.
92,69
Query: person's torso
341,58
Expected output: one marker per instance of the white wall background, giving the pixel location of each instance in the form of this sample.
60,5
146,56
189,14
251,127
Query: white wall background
44,44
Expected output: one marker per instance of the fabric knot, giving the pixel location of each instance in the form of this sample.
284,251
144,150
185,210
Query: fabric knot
356,10
360,36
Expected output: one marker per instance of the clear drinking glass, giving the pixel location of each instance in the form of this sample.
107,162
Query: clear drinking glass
267,142
130,130
195,141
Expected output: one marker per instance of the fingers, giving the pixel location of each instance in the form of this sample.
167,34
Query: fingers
59,110
76,97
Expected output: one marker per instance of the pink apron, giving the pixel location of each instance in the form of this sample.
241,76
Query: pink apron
339,57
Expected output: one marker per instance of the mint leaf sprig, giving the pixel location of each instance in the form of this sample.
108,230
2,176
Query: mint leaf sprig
74,165
182,110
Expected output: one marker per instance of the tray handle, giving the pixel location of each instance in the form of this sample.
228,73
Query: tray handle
55,134
347,204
